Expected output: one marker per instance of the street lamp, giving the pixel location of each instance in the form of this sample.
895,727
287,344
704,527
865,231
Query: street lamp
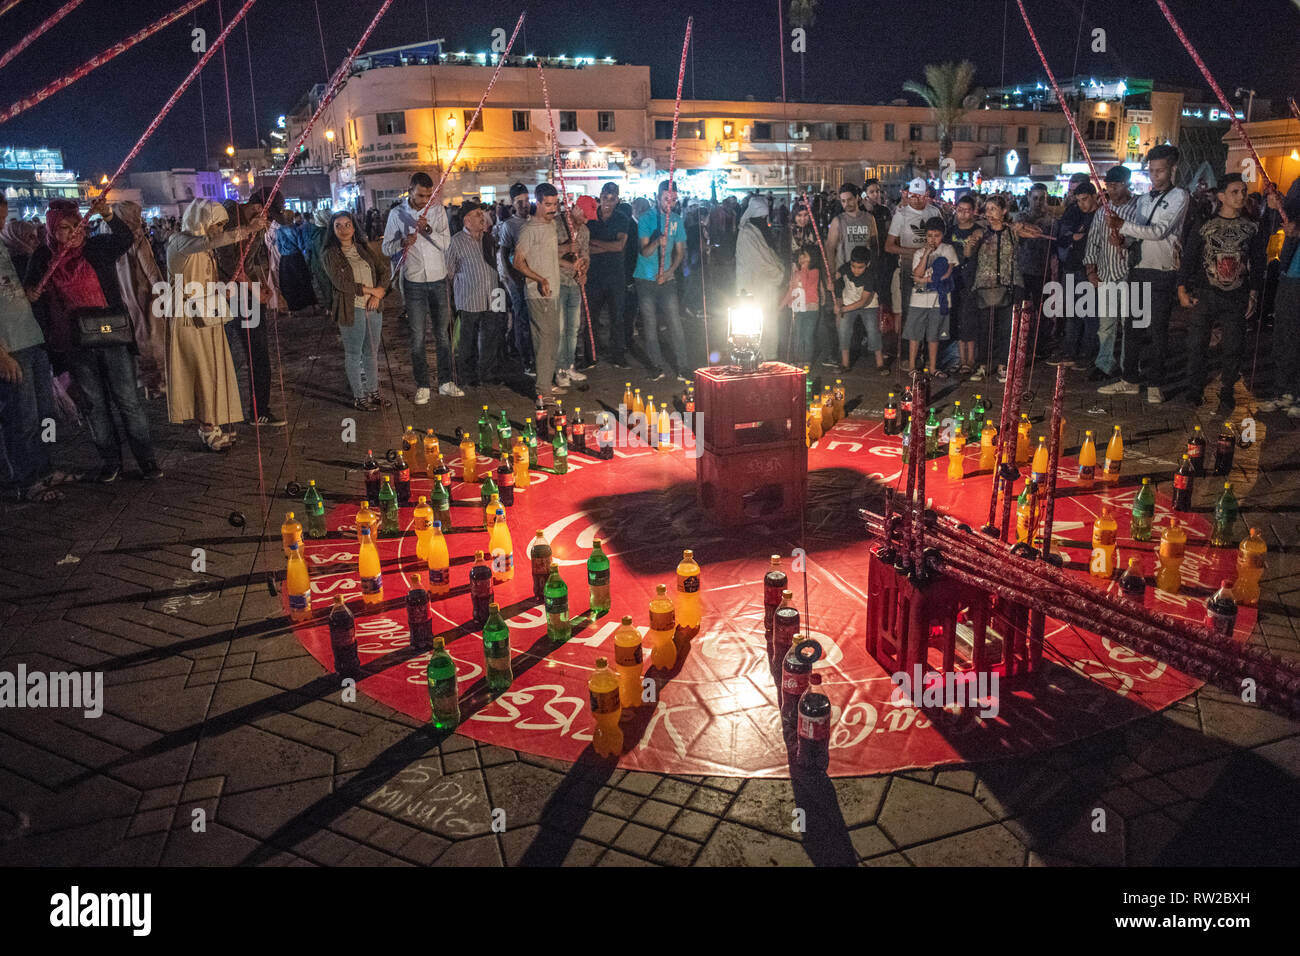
329,135
728,129
745,332
230,150
451,128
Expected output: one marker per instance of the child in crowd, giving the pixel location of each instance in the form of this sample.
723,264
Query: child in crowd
856,298
927,320
804,303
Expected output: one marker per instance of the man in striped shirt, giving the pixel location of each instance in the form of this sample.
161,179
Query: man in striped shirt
1107,263
480,302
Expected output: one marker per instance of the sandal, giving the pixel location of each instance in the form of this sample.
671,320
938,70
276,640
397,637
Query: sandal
42,493
365,404
215,439
379,400
941,375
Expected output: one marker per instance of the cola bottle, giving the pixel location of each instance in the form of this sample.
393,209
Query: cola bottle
814,735
774,583
1183,481
795,671
1221,610
371,468
1225,446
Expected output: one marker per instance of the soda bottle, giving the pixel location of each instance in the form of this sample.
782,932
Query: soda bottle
603,689
663,628
638,405
957,457
651,422
906,405
372,577
290,532
468,462
1132,584
598,579
907,440
1103,545
441,505
1144,512
506,481
389,521
796,668
828,409
890,420
1250,568
541,419
439,562
432,454
410,441
1221,610
579,432
837,394
496,651
484,445
487,488
530,442
690,399
665,430
1225,519
480,588
560,452
444,698
560,421
422,525
419,615
975,422
490,511
315,508
627,658
785,629
539,555
1225,446
604,428
1196,451
629,401
774,583
958,420
815,420
1114,458
1087,463
1172,542
1024,435
403,482
441,473
503,433
371,468
522,479
343,640
1183,481
988,446
367,518
1038,470
931,436
807,388
688,591
813,751
297,582
558,627
502,549
1027,512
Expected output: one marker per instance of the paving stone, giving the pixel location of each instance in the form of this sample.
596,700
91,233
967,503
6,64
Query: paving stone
870,841
888,859
736,845
615,858
639,783
676,792
636,839
674,851
583,853
601,827
709,801
652,813
915,813
480,851
992,845
620,804
693,825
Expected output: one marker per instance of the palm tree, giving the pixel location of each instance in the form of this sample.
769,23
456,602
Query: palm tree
802,14
949,91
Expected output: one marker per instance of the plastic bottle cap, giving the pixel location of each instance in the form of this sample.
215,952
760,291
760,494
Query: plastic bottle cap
289,515
478,555
627,619
601,662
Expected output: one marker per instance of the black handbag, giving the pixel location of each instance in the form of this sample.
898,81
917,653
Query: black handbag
101,327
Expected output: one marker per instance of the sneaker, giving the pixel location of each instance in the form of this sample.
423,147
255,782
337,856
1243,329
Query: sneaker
978,374
575,375
150,470
562,378
829,363
1155,396
108,474
619,362
655,374
452,389
1293,411
272,421
559,390
422,396
1279,404
1120,388
682,378
1068,363
1002,374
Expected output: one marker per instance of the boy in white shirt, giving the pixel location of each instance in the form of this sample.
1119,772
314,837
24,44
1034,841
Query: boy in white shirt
927,320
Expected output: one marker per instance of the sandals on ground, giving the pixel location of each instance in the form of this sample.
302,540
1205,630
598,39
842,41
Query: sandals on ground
215,439
42,492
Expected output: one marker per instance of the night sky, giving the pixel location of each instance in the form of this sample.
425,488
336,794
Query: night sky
735,54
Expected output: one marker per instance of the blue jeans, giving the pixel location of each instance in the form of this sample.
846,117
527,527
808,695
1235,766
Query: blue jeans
479,342
22,407
360,351
870,320
570,320
521,325
425,300
1107,330
660,302
107,376
1080,337
805,336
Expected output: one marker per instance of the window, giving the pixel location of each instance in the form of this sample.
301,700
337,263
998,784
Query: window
889,132
521,120
568,121
391,124
1110,130
1091,131
823,131
1022,134
605,121
866,131
663,129
962,134
762,131
914,132
469,115
990,134
1046,135
842,131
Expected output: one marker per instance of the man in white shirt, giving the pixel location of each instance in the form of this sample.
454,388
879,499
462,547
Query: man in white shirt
907,234
423,278
1156,220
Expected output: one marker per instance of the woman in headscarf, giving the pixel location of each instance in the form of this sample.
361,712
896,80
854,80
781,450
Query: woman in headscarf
759,270
137,271
353,279
201,383
295,278
84,282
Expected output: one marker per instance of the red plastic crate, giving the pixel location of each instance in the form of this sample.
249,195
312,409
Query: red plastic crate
740,409
758,482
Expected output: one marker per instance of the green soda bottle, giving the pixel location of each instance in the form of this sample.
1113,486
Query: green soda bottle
1225,519
488,488
504,433
389,520
1144,512
561,449
314,506
807,388
530,439
907,441
958,421
441,503
557,607
931,435
484,444
444,700
598,579
975,421
496,651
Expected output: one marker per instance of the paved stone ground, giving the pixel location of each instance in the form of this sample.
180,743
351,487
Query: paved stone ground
212,704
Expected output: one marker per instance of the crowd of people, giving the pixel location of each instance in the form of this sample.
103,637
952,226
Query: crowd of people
532,292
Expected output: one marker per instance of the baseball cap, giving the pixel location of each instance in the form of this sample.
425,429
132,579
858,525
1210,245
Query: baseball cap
1118,174
588,206
916,187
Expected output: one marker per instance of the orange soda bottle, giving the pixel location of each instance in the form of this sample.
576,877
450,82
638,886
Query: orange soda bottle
603,689
663,628
988,446
291,533
367,517
1104,531
520,453
828,409
1038,470
467,457
815,419
1024,434
1114,457
502,549
628,658
629,399
297,582
1250,568
422,525
956,457
688,591
431,451
1087,462
439,562
1172,542
372,577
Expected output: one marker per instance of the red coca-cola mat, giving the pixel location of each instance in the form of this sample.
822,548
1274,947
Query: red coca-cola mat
716,713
